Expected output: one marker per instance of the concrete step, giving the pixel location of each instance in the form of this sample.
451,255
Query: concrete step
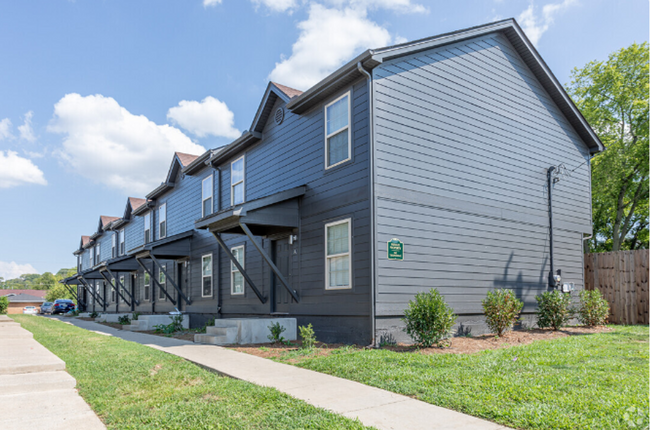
27,356
31,382
210,339
223,331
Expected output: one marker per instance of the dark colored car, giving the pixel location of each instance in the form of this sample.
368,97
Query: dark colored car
62,306
46,308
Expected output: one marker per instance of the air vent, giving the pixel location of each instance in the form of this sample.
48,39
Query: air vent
279,116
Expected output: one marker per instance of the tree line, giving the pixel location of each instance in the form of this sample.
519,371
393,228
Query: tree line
46,281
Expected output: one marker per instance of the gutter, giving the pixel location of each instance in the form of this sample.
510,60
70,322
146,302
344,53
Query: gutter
371,148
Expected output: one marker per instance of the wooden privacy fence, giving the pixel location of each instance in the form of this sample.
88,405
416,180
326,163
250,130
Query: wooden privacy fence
622,278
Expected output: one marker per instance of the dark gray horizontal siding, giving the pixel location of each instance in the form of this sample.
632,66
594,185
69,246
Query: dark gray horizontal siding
464,135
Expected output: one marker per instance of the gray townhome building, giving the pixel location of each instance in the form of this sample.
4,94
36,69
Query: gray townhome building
421,165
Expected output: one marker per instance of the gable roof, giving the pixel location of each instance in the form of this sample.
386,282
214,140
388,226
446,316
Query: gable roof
26,298
84,241
36,293
290,92
185,159
136,202
271,94
371,58
179,162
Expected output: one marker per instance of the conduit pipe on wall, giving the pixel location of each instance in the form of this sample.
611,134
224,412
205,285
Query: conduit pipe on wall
549,179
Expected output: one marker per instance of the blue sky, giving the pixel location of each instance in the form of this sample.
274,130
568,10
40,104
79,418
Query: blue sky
96,95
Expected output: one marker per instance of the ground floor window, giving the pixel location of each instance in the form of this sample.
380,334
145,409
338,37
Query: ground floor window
123,287
147,286
206,275
162,280
236,278
337,255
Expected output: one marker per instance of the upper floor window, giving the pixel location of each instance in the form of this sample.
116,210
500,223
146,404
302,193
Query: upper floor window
237,181
114,245
236,277
98,253
206,196
121,240
162,220
337,131
337,255
206,275
147,227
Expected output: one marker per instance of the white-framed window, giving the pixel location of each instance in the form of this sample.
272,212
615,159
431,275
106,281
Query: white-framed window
113,294
206,275
206,196
147,286
147,227
236,277
121,241
162,221
114,245
338,136
338,237
162,281
123,287
98,253
237,174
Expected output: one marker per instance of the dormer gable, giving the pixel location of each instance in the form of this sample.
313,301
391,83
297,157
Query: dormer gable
271,95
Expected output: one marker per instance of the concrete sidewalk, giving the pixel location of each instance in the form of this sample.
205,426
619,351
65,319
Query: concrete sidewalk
372,406
35,390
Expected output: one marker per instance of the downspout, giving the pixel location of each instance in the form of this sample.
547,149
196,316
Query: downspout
549,180
371,150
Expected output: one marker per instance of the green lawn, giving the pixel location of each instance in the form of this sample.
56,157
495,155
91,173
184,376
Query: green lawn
131,386
597,381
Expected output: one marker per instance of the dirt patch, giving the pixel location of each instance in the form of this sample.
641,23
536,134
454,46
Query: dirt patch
459,345
86,318
114,325
155,369
183,335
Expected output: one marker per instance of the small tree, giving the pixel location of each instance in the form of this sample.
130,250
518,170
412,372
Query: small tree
308,336
428,318
4,304
502,310
554,309
594,309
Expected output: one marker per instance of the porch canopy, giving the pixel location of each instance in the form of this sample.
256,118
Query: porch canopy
125,263
267,216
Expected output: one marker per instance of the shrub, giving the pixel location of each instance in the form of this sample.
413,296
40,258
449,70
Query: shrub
593,309
93,314
124,320
276,332
135,316
428,318
554,309
207,324
308,336
4,304
502,310
173,327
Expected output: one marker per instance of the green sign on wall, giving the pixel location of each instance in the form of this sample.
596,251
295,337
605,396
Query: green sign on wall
395,249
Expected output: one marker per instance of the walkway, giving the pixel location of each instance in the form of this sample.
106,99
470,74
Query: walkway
35,390
372,406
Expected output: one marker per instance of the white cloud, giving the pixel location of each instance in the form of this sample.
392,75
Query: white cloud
207,117
5,129
13,270
26,130
208,3
401,6
277,5
536,25
327,38
109,145
16,170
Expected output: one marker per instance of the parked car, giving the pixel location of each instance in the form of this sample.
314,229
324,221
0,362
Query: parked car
62,306
46,308
30,310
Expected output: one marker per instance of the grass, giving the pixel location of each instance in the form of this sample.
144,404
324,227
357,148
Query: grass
131,386
596,381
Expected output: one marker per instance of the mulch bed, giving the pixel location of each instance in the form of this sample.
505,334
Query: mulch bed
459,345
180,335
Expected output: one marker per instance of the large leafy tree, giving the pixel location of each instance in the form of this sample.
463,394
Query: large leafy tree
613,97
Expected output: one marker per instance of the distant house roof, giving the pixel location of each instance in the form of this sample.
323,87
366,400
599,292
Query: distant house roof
26,298
186,159
36,293
136,202
291,92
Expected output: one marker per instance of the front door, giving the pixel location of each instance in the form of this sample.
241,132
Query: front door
282,259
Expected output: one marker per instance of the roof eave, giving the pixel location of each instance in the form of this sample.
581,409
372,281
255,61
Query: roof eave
197,164
244,141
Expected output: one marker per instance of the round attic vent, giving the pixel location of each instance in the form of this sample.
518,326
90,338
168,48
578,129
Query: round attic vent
279,116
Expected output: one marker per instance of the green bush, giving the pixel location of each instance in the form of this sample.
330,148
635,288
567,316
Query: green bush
4,304
308,336
93,314
502,310
428,318
135,316
124,320
173,327
276,332
554,309
593,309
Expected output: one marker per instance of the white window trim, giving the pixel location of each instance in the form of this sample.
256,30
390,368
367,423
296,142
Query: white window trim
98,253
349,254
114,245
147,228
144,287
232,272
211,275
123,287
160,221
203,199
164,284
349,126
121,240
243,181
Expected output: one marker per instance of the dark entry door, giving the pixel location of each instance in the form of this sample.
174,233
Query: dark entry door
282,259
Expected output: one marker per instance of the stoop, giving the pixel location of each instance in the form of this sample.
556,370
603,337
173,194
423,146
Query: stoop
245,331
